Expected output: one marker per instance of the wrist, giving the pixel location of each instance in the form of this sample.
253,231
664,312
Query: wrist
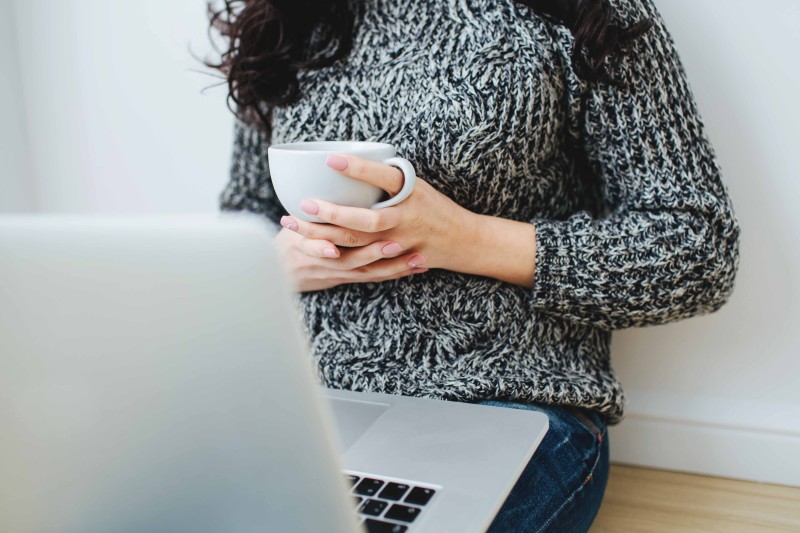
462,242
498,248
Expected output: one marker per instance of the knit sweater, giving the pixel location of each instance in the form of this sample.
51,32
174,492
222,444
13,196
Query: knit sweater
634,226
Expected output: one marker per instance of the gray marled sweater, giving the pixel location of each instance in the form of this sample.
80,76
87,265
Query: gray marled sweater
634,225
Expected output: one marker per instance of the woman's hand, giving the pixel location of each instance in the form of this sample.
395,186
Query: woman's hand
316,264
430,229
427,223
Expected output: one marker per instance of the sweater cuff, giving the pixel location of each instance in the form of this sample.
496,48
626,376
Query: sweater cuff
551,263
564,253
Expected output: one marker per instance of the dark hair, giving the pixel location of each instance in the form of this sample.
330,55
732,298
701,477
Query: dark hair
269,41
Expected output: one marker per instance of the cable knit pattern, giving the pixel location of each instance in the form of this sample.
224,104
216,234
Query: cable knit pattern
634,225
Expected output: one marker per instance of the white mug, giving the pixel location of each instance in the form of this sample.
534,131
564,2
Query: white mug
299,172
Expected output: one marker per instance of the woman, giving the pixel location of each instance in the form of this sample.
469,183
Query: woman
567,190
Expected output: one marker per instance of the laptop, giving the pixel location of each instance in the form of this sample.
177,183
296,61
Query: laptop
154,377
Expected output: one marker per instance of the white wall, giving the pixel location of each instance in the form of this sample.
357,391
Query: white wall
115,114
16,191
116,122
721,394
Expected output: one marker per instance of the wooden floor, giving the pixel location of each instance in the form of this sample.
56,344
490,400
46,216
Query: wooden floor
653,501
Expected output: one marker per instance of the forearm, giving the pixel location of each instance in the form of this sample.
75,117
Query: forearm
497,248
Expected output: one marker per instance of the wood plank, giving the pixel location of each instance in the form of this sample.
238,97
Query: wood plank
645,500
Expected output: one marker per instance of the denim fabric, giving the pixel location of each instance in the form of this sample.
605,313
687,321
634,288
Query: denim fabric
562,486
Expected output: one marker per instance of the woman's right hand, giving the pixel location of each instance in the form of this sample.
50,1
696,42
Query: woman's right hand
318,264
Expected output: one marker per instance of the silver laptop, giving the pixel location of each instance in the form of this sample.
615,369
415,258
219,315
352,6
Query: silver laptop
153,377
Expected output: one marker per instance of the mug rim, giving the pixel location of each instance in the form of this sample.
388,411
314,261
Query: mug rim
351,147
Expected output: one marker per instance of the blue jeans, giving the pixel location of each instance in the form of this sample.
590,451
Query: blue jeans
562,486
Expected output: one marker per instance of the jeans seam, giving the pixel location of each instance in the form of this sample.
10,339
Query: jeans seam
586,422
576,491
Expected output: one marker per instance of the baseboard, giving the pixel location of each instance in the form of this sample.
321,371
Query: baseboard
743,451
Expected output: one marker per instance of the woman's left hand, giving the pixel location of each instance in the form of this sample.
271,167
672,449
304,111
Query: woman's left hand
427,223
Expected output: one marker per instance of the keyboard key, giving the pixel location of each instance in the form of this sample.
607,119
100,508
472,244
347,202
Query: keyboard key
420,496
368,486
353,479
402,513
359,499
373,507
393,491
378,526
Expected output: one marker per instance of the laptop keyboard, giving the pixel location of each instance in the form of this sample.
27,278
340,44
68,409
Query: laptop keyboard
387,506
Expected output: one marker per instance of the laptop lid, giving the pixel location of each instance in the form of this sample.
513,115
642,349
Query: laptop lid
146,383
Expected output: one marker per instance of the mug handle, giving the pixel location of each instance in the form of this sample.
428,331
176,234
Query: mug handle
409,181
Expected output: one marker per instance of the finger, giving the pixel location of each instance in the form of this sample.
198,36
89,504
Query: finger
354,218
385,176
399,275
384,268
320,248
331,233
359,257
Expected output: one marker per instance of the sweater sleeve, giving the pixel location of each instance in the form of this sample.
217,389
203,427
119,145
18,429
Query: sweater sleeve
250,186
668,246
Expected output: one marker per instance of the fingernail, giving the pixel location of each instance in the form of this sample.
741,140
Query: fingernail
289,223
310,207
391,249
330,252
337,162
416,261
